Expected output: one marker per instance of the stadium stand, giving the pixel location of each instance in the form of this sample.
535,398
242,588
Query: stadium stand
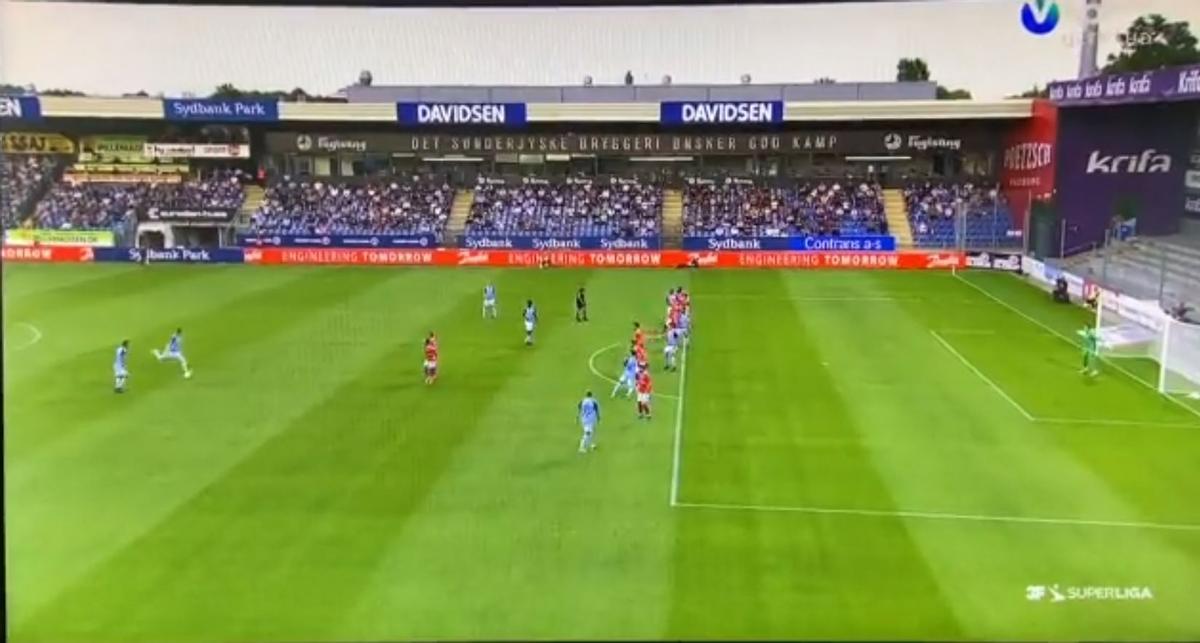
739,207
934,209
386,207
614,208
22,179
90,206
221,189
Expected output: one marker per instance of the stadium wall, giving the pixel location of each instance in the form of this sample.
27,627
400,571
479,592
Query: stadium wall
1122,158
447,257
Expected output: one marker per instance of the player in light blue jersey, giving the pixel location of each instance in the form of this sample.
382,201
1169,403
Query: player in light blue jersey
531,319
674,336
628,376
589,417
175,352
685,326
121,366
489,301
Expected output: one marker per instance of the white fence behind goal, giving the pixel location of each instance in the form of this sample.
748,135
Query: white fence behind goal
1129,327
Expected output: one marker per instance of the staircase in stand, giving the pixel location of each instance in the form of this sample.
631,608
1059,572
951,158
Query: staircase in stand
255,195
896,211
459,211
672,224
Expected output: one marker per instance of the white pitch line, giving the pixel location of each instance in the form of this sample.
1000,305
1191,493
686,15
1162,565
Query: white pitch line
985,378
595,371
36,336
1102,422
676,452
1072,342
935,515
966,331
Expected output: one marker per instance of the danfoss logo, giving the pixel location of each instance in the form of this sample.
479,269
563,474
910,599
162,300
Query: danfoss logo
1150,161
1028,156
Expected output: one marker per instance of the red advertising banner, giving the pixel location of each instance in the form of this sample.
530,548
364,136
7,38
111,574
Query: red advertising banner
609,258
1030,157
46,254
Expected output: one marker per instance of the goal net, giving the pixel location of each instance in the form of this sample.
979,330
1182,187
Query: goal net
1129,327
1181,359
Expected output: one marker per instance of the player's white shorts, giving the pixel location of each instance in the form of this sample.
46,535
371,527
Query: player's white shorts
430,365
120,372
643,398
589,427
669,350
175,355
529,327
489,303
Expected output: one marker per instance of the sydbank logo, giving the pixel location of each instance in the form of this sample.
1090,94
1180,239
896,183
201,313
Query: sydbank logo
1039,17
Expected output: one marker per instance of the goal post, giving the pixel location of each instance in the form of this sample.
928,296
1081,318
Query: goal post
1180,363
1133,328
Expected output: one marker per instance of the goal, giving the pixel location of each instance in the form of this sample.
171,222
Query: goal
1134,328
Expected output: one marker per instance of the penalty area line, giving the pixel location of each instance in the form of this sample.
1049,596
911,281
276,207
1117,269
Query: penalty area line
678,445
936,515
995,387
1105,422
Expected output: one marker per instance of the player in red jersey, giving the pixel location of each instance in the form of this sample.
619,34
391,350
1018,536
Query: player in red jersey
644,388
639,352
431,358
673,318
639,335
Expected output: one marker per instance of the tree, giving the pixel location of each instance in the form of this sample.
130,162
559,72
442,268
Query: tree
944,93
60,92
226,90
11,90
910,70
1152,42
825,80
1037,91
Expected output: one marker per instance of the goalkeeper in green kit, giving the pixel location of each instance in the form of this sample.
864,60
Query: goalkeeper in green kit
1091,351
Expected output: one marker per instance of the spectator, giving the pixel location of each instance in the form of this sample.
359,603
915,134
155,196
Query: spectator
740,208
616,208
397,207
21,177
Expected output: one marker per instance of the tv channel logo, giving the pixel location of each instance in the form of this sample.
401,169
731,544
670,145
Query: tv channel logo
1039,17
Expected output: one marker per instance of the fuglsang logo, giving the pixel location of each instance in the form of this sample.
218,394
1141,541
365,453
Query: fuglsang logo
1149,161
1039,17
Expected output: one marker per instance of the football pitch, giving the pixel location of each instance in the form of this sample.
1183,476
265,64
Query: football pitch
844,455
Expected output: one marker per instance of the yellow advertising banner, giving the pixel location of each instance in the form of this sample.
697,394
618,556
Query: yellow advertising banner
114,149
35,143
28,237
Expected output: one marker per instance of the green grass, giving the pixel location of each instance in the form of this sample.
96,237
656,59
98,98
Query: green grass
842,474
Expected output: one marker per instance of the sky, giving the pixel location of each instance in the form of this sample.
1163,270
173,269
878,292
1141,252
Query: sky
109,49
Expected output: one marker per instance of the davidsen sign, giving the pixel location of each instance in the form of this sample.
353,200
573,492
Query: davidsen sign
861,243
710,113
500,242
506,114
25,108
220,111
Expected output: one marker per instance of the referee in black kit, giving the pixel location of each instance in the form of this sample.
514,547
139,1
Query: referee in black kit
581,306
